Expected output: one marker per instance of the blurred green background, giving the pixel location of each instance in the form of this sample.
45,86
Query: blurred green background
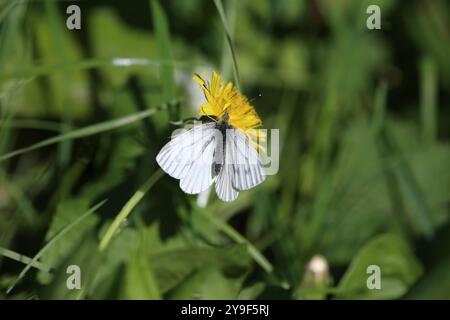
364,173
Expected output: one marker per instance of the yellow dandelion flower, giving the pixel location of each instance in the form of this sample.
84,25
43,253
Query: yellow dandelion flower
225,99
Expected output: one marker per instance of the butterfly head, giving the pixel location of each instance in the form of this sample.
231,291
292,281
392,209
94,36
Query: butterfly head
226,117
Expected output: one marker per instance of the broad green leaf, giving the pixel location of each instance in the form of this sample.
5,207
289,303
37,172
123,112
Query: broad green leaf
399,270
360,205
67,211
209,282
435,284
55,238
252,292
140,282
428,165
110,272
173,266
84,256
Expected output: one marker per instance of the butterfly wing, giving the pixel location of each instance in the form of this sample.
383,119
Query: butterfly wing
199,175
188,157
177,155
224,183
248,170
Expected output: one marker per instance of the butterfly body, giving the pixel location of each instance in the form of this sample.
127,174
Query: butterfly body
219,156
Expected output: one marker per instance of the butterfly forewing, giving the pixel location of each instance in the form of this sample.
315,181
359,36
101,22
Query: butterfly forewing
199,175
177,156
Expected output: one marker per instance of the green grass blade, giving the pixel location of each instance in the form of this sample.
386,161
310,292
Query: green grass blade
223,18
10,28
128,207
226,64
24,259
163,39
33,124
429,90
86,64
85,132
9,31
379,108
6,10
55,238
56,35
420,209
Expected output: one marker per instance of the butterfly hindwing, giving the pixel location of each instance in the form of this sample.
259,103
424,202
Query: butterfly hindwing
224,183
248,171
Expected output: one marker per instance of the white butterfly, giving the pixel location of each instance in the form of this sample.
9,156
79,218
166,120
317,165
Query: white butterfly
213,152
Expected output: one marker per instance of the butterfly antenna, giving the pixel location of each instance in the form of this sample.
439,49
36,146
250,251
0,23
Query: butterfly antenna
254,98
211,118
